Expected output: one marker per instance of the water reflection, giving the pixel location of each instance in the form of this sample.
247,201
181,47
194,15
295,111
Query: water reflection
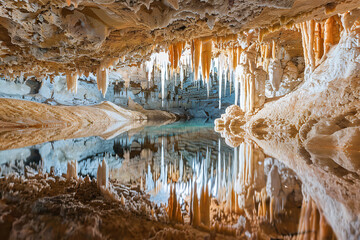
190,170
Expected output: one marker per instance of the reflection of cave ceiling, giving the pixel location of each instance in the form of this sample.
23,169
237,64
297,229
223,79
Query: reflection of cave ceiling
54,35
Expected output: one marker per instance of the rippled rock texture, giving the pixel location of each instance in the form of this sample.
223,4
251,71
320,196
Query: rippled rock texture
58,36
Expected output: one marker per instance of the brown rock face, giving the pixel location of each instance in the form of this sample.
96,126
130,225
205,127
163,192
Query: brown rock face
52,36
25,123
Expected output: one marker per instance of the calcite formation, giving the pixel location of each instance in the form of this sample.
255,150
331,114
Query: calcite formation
78,37
293,68
314,129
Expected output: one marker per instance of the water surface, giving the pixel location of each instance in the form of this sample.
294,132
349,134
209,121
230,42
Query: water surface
241,187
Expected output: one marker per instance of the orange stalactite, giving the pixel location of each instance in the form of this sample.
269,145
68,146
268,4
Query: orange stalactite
175,51
205,206
195,208
312,223
319,42
171,55
304,39
206,58
317,38
71,81
239,51
102,79
68,2
273,50
311,31
265,55
192,55
234,61
328,34
174,209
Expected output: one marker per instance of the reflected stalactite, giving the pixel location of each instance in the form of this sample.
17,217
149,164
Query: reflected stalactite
174,208
312,223
72,81
234,186
102,80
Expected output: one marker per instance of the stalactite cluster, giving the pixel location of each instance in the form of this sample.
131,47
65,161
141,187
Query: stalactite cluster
200,208
226,58
174,208
72,81
318,37
312,223
175,51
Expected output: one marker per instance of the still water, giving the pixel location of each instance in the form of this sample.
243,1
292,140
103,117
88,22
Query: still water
239,186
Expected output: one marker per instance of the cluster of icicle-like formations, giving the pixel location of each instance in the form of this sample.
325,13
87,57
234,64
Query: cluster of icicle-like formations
245,61
236,181
312,223
102,75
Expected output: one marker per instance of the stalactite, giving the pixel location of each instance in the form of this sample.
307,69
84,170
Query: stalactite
175,51
317,39
174,209
195,208
220,75
192,51
273,49
206,53
252,81
197,54
205,206
234,57
102,79
265,56
236,87
319,42
71,81
312,224
311,31
328,34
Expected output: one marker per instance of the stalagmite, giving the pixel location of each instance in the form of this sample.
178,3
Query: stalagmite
72,170
102,175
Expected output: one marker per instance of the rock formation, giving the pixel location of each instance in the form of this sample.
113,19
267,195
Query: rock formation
289,68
